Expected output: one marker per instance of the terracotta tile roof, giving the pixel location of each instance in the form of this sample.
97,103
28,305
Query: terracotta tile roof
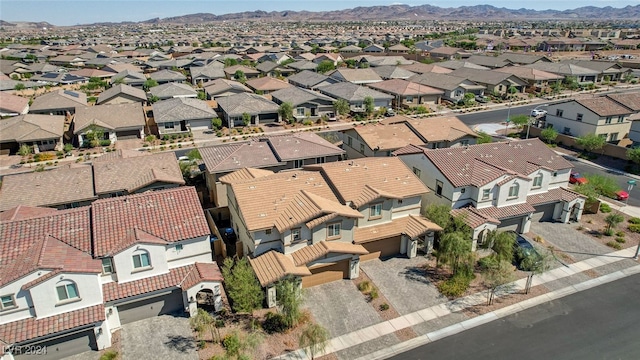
356,180
183,277
434,129
64,185
12,103
630,100
604,106
421,68
286,199
245,174
132,173
412,226
473,218
387,137
479,164
32,328
21,212
121,221
267,84
314,252
506,212
273,266
553,196
301,146
225,158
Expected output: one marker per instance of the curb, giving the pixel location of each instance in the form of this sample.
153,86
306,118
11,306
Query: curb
498,314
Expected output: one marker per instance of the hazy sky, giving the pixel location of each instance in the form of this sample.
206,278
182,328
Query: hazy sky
72,12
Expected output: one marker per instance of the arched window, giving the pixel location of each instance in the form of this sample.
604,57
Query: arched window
537,181
513,190
67,290
141,259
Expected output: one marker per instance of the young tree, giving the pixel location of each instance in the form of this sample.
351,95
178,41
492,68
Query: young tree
520,121
613,220
484,138
202,95
94,135
455,251
341,106
194,155
325,65
148,84
216,123
289,297
535,263
601,184
369,105
313,340
25,150
549,135
230,62
246,119
495,275
286,111
439,214
19,86
202,322
153,99
241,285
240,76
502,244
591,142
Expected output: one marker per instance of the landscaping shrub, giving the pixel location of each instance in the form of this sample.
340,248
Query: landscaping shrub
614,245
608,232
486,262
364,286
373,294
109,355
231,343
634,220
634,228
274,323
455,286
105,142
620,240
605,208
620,234
384,307
202,344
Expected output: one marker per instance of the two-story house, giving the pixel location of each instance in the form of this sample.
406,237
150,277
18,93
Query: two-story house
601,116
503,185
320,222
69,278
273,153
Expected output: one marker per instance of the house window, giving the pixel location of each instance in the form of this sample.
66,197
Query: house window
168,125
300,111
613,137
268,231
416,171
607,120
464,142
67,291
485,194
295,235
578,117
107,266
604,136
320,160
333,230
409,99
555,173
362,148
620,118
7,302
298,163
375,210
141,260
537,181
559,112
179,247
349,140
566,130
439,187
513,190
462,191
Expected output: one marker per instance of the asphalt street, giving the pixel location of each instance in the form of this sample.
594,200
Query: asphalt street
495,116
599,323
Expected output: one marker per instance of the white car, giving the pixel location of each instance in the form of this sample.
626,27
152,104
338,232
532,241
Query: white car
538,112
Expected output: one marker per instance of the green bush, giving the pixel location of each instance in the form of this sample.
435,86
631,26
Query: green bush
608,232
105,142
364,286
109,355
486,262
384,307
614,245
455,286
634,220
620,234
202,344
620,240
274,323
605,208
373,294
634,228
231,343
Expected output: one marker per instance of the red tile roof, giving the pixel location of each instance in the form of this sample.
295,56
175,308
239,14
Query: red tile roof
506,212
553,196
24,212
169,215
183,277
31,328
473,218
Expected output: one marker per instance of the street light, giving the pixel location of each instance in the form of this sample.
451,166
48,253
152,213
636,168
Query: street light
506,126
529,122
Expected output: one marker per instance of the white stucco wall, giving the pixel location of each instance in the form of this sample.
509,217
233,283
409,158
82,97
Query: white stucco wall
123,262
22,297
193,250
45,297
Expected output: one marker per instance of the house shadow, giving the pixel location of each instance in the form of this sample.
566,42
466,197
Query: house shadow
416,274
180,343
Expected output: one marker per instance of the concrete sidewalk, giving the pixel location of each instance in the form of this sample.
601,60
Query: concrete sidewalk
433,313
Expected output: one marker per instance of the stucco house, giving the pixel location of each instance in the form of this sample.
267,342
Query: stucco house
407,94
454,87
355,95
173,90
325,219
310,80
61,102
116,121
82,273
41,132
494,81
503,185
180,114
12,105
602,116
224,87
307,104
122,93
260,109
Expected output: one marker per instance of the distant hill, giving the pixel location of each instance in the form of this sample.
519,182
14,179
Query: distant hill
420,12
26,24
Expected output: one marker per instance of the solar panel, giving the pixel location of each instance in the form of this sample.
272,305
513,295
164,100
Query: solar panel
50,75
71,93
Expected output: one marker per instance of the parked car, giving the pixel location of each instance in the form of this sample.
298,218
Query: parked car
522,249
482,99
576,178
622,195
390,112
538,113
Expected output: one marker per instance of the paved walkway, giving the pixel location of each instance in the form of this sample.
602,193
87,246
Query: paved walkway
434,313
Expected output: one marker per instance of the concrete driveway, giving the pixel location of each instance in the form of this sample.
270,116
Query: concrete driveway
566,238
161,337
340,307
403,283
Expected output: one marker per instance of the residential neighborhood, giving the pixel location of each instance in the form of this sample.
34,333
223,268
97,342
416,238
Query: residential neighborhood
300,190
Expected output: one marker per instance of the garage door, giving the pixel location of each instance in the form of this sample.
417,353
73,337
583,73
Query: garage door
130,134
382,248
159,305
513,224
544,212
268,118
328,273
64,346
200,124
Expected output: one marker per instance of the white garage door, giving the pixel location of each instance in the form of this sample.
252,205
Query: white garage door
513,224
61,347
159,305
202,124
543,213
